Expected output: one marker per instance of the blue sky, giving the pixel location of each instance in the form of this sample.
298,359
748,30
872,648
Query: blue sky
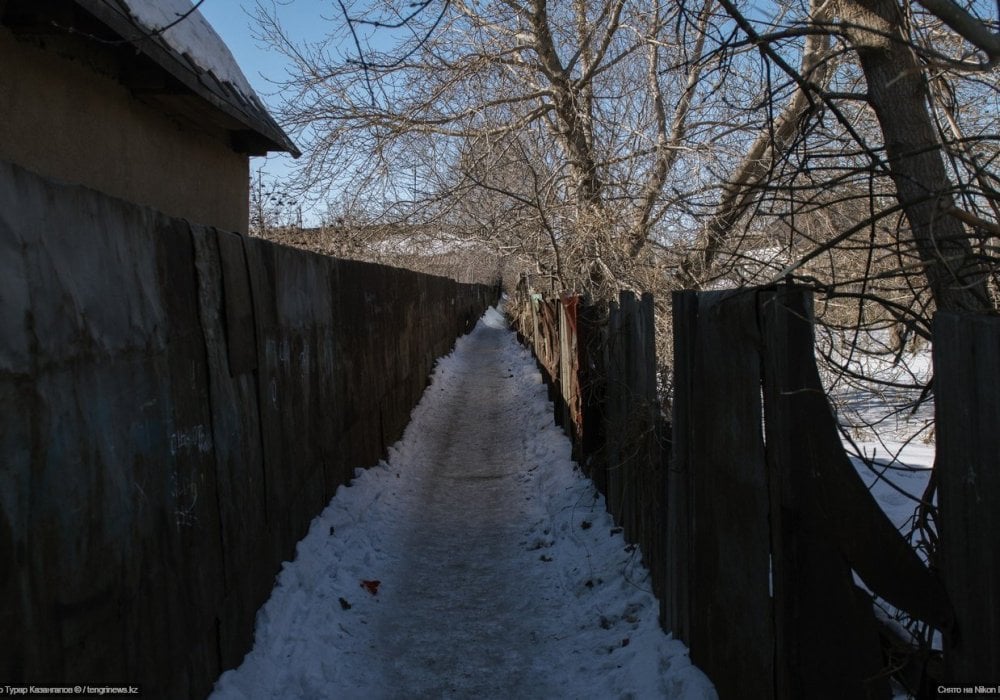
232,20
304,21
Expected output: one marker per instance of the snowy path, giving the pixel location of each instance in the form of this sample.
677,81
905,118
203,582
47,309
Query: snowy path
500,574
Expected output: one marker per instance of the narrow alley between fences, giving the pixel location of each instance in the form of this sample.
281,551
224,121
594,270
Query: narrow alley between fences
475,562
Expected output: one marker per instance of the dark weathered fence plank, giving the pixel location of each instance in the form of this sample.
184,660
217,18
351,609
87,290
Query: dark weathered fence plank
967,398
826,643
236,442
677,604
731,634
615,410
629,436
592,388
649,499
241,333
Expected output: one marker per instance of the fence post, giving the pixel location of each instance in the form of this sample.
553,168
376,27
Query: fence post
826,645
730,628
630,434
592,382
967,402
613,410
677,604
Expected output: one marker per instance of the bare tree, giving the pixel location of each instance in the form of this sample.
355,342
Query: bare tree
602,99
771,144
870,102
898,93
272,205
881,192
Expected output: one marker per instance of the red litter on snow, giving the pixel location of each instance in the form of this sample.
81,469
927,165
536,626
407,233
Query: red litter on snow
371,586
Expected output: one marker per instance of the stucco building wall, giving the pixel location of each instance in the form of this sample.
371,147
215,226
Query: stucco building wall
61,119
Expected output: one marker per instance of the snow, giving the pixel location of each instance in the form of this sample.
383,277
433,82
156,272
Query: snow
476,561
193,36
427,243
897,476
890,442
888,427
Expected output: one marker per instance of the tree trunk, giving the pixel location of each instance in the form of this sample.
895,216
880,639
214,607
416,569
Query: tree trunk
898,93
572,124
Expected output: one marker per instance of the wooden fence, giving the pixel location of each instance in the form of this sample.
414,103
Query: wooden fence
176,404
600,366
756,525
967,401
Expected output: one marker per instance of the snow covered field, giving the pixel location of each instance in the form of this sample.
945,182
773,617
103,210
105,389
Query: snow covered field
895,440
477,562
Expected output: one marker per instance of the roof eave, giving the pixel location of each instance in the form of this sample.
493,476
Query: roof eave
262,134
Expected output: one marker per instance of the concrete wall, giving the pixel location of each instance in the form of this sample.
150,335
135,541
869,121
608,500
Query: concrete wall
176,404
66,120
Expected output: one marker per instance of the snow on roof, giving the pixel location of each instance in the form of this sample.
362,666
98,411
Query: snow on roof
193,36
175,35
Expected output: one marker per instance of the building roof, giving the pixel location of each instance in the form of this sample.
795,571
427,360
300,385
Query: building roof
188,70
